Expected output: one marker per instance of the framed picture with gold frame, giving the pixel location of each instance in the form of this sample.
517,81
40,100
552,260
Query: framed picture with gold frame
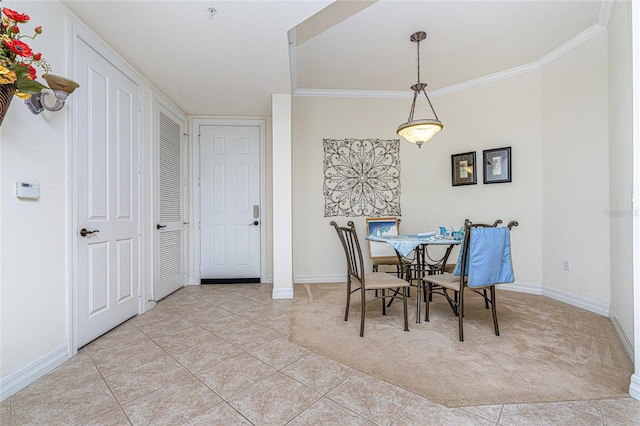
463,169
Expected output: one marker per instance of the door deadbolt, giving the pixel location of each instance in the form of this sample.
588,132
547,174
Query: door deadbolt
84,232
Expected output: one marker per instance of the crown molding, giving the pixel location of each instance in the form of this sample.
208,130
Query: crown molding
577,41
583,37
606,6
391,94
481,81
336,93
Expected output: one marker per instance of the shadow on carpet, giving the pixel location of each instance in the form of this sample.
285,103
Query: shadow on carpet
547,350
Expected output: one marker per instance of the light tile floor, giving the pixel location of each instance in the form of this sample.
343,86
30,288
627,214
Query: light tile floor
219,355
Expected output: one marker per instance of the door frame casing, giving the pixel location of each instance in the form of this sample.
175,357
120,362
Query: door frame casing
78,31
195,149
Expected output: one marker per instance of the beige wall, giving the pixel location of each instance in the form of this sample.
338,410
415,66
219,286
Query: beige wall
554,119
576,172
621,165
557,122
505,113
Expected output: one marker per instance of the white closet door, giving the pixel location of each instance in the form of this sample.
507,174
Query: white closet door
171,179
106,188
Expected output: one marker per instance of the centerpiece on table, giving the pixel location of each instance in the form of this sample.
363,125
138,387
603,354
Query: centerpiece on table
18,61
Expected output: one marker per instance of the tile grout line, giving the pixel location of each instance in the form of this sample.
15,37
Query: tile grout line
175,309
279,370
93,362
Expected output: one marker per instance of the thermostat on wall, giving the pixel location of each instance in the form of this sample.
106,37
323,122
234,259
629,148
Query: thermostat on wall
27,190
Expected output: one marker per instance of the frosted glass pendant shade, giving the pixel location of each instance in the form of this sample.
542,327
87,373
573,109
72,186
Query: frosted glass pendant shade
422,130
419,131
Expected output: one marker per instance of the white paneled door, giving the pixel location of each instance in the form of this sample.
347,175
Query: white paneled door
171,181
106,164
230,211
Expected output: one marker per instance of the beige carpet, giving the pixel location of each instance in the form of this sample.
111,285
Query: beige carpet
547,350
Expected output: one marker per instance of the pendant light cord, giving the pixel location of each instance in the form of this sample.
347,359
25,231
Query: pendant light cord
418,43
420,87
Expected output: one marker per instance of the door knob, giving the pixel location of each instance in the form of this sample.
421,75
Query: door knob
84,232
158,226
255,223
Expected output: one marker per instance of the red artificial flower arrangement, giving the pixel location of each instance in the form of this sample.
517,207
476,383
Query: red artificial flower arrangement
17,60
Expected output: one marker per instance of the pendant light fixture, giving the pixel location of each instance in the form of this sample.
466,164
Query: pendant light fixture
421,130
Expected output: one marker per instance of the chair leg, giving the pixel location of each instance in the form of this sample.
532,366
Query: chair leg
363,305
404,305
461,314
405,274
346,311
492,291
486,301
427,292
384,305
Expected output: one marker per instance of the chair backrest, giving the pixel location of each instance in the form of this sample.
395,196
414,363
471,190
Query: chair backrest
353,252
382,226
485,255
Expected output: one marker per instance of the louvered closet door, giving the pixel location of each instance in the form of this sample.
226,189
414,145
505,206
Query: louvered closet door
170,256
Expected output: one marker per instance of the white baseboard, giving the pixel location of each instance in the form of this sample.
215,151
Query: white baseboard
562,296
282,293
581,302
310,279
522,288
622,334
31,372
634,387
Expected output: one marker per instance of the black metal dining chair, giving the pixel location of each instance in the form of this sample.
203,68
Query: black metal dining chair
358,280
484,261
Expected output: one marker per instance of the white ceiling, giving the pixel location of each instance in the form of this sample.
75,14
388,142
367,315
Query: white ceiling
231,64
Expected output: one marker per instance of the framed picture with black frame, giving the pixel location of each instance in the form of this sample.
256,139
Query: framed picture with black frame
497,165
463,169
